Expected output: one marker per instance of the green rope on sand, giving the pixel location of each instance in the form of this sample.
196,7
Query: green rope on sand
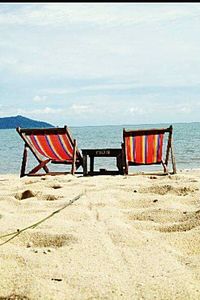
19,231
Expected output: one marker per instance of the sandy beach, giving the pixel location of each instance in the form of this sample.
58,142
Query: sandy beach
126,237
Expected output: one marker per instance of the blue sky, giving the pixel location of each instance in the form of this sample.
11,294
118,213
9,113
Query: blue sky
100,63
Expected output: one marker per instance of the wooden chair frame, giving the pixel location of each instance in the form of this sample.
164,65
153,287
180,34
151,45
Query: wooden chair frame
77,160
141,132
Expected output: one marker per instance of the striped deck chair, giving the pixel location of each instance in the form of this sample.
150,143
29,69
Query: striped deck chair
53,145
145,147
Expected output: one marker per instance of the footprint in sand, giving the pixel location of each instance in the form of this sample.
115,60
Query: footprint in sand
25,194
180,221
39,239
164,189
192,220
133,203
31,181
56,186
29,194
158,216
186,226
188,244
50,197
14,297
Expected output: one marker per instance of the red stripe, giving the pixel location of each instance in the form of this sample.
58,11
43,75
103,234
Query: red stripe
128,148
67,145
32,137
138,149
45,147
150,149
151,152
58,147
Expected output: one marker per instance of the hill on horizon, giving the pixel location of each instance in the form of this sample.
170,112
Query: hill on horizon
23,122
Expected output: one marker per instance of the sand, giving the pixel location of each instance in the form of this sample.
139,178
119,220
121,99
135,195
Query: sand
127,237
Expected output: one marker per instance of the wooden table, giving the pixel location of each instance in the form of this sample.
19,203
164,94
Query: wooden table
106,152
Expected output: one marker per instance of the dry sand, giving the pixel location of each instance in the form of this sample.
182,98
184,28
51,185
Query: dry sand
127,237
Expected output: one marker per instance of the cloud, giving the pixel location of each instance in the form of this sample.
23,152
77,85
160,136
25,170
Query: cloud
81,109
60,91
97,14
104,42
95,62
113,85
109,86
40,98
7,61
137,110
74,109
41,111
186,108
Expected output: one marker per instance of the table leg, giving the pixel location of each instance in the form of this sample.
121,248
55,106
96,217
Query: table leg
85,165
91,165
119,164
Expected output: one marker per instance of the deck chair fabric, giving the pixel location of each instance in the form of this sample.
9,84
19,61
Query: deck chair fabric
145,147
53,145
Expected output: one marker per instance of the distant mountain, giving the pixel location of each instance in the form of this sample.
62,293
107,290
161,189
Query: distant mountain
20,121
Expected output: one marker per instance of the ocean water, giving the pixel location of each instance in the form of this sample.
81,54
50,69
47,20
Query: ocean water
186,137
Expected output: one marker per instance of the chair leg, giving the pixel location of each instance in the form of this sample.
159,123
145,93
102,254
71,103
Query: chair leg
126,169
74,159
173,160
124,161
41,165
120,164
164,167
24,160
46,169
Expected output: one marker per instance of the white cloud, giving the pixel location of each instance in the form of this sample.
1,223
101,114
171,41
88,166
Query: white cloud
8,61
40,98
109,86
74,109
93,59
96,14
60,91
81,109
113,85
42,111
137,110
186,108
78,48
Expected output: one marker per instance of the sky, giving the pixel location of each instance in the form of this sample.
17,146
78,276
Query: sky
85,64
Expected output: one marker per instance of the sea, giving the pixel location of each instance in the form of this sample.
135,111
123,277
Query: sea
186,140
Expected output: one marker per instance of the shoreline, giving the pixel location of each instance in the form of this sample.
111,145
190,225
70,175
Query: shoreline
140,172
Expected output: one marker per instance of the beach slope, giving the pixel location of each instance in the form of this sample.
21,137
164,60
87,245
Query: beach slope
126,237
